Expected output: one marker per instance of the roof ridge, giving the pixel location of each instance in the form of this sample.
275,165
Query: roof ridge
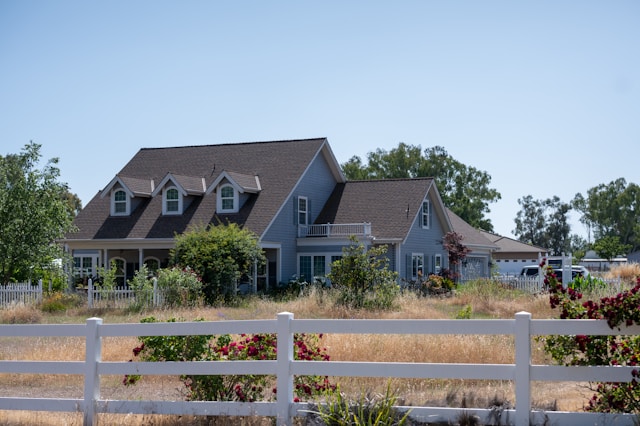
234,143
390,179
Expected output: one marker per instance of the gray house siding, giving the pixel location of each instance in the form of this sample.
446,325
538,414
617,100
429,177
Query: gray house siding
427,242
316,185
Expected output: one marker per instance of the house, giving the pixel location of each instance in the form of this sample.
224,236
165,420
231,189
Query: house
512,254
291,194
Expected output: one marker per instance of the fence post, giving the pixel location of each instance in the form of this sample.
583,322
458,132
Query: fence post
93,347
39,295
522,377
90,292
284,378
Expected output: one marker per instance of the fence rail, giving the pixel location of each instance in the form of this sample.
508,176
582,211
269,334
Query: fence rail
284,368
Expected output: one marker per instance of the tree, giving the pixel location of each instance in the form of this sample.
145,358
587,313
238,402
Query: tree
544,223
33,214
452,242
609,247
612,210
465,190
220,254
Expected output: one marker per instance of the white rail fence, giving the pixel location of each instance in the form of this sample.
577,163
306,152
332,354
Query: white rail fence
20,293
284,368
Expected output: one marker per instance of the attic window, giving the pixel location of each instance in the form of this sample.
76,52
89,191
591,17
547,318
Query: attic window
172,201
426,214
119,203
227,199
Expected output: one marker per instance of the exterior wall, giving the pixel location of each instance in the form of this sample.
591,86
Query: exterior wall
511,264
427,242
317,184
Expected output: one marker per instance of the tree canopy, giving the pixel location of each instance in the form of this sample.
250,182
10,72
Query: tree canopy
220,254
544,223
612,210
34,213
464,189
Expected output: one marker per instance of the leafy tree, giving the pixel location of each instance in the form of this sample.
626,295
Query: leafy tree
464,189
612,209
33,214
609,247
544,223
363,277
452,242
220,254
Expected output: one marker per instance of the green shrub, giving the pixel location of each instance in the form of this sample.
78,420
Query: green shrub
236,387
363,279
180,287
618,311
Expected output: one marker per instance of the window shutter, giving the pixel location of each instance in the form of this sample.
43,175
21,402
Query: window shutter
295,210
309,217
408,267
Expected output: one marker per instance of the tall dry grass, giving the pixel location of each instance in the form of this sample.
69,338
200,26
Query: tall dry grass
482,299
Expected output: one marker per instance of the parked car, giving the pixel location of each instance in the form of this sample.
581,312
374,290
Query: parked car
576,271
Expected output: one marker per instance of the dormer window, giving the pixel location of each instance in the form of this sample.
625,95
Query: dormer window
227,199
119,203
172,201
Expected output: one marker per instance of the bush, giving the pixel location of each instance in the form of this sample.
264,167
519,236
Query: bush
619,310
363,279
180,287
239,387
60,302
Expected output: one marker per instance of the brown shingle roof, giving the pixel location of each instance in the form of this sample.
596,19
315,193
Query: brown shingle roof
271,161
390,205
472,236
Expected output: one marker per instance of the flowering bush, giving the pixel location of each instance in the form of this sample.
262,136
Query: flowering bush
237,387
621,309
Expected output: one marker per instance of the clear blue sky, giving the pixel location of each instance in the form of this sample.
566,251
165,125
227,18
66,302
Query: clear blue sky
542,95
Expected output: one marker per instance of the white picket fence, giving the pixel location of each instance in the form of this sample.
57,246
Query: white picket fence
20,293
284,368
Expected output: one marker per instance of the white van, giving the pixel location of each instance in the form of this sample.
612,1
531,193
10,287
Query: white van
576,270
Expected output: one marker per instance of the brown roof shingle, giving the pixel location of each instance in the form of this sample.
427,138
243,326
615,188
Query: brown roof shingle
271,161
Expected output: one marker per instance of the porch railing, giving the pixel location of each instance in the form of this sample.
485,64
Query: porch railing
335,230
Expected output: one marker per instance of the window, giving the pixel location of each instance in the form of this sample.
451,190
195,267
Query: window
172,201
82,267
417,265
303,209
437,264
119,203
152,264
118,266
314,267
426,216
227,199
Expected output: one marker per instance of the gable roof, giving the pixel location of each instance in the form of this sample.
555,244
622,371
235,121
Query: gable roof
390,205
506,244
271,161
472,237
187,185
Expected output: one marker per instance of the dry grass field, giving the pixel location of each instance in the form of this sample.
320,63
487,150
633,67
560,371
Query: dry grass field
485,299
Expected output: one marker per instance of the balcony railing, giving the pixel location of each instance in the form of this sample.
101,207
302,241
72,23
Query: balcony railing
335,230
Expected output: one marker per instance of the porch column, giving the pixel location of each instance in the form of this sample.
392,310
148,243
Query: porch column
140,257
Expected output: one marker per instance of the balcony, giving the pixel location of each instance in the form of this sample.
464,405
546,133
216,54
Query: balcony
336,230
